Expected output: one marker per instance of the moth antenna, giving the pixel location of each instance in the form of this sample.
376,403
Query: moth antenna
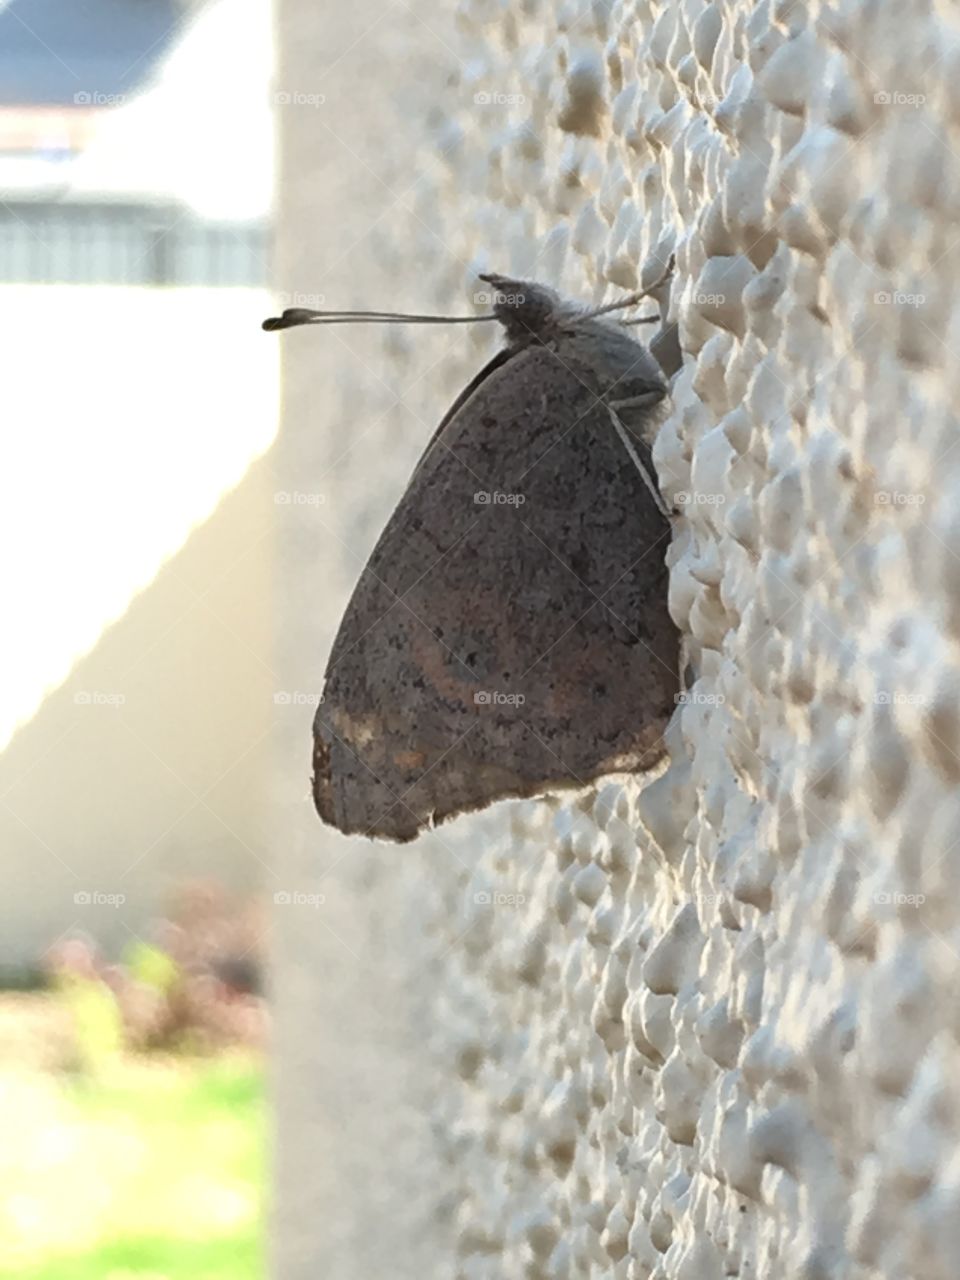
294,316
632,299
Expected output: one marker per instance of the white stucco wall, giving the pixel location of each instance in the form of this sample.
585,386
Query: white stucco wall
708,1026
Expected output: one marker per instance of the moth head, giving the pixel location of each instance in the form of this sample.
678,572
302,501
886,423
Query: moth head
531,312
528,312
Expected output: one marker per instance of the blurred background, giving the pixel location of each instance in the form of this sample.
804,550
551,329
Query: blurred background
136,171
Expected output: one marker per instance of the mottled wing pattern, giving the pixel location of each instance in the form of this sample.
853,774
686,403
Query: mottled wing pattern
510,634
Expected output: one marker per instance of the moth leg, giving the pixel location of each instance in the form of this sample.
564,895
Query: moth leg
646,400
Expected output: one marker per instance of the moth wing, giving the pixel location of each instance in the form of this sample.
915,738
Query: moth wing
509,634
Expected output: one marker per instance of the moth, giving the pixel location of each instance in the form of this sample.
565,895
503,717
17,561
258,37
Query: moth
510,634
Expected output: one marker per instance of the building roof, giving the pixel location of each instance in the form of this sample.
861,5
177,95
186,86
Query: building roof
53,50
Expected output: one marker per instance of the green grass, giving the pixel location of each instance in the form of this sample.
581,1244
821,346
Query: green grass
152,1172
156,1258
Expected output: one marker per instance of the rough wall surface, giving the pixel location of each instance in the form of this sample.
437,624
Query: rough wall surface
708,1026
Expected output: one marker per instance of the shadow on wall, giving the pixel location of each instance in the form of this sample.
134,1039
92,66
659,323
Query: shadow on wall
149,765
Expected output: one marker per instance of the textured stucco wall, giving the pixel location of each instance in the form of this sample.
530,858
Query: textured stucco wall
706,1027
